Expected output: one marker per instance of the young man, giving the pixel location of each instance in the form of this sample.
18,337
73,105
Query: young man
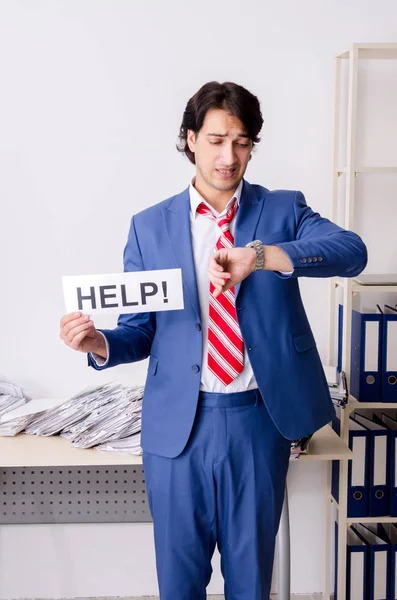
236,375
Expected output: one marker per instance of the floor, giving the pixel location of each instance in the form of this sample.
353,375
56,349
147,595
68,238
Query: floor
293,597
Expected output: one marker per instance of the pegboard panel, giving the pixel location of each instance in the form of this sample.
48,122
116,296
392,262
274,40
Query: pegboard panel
104,494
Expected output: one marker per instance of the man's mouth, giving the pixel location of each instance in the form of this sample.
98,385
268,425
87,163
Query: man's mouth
226,172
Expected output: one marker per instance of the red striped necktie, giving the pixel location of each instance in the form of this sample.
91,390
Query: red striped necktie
225,342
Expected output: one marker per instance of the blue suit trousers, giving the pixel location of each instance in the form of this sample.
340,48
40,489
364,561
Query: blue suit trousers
226,488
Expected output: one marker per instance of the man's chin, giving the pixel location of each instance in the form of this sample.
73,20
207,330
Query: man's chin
226,186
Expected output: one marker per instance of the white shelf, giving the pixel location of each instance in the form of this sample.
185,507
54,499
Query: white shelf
358,287
371,520
351,520
25,450
379,51
354,404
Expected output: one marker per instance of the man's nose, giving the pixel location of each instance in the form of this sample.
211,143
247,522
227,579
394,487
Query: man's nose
228,155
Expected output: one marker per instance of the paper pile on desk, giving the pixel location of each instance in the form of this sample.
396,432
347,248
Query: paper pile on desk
94,416
11,398
129,445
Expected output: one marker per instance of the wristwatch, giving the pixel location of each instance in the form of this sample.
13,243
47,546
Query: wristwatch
260,259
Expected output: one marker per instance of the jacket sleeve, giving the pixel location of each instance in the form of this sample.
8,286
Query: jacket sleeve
322,248
132,339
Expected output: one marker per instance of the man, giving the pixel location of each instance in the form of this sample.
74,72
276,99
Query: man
234,376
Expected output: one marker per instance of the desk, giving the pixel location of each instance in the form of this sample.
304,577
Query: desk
54,451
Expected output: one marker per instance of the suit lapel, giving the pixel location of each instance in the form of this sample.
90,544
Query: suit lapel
177,222
248,214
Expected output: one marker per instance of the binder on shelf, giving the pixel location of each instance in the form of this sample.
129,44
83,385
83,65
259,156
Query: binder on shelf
356,567
340,336
377,562
358,473
389,355
388,532
378,476
391,425
366,353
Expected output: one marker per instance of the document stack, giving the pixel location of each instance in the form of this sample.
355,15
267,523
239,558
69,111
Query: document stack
11,397
96,417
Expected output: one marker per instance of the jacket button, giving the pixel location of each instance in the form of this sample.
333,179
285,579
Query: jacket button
195,368
198,326
309,260
320,258
303,260
315,259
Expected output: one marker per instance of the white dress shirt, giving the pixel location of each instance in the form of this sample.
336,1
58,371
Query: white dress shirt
205,233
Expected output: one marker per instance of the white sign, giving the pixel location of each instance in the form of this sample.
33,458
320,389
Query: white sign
121,293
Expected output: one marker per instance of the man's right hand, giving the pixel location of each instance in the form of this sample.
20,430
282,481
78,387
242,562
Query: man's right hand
78,332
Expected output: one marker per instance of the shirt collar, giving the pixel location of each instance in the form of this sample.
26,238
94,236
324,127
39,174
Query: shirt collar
196,199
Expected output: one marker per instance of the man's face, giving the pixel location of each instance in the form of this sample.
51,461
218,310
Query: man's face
222,150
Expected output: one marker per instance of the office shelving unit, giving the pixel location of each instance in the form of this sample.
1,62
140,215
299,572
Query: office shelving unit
350,171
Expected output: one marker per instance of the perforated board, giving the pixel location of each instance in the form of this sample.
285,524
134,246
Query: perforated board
93,494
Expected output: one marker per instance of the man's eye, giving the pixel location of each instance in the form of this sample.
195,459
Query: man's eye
244,145
215,142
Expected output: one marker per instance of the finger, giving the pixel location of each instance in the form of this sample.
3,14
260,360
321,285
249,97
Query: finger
75,323
217,273
77,340
69,338
221,256
217,281
218,287
228,286
213,264
69,317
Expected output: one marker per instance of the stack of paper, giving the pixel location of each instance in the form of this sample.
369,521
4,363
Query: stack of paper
129,445
96,416
11,397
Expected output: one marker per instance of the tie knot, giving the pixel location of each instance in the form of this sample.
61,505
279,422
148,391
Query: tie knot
222,220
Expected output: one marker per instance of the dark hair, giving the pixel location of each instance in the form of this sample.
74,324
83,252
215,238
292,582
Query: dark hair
233,98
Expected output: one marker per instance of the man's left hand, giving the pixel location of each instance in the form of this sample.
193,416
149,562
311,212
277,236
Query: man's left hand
229,266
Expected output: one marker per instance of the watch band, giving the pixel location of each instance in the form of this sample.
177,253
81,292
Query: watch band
260,259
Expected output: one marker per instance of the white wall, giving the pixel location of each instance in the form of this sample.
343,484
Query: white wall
92,98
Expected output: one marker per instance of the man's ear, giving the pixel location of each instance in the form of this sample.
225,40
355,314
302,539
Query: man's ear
191,140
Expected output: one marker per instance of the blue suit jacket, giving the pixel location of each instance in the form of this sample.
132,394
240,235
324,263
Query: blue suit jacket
270,312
